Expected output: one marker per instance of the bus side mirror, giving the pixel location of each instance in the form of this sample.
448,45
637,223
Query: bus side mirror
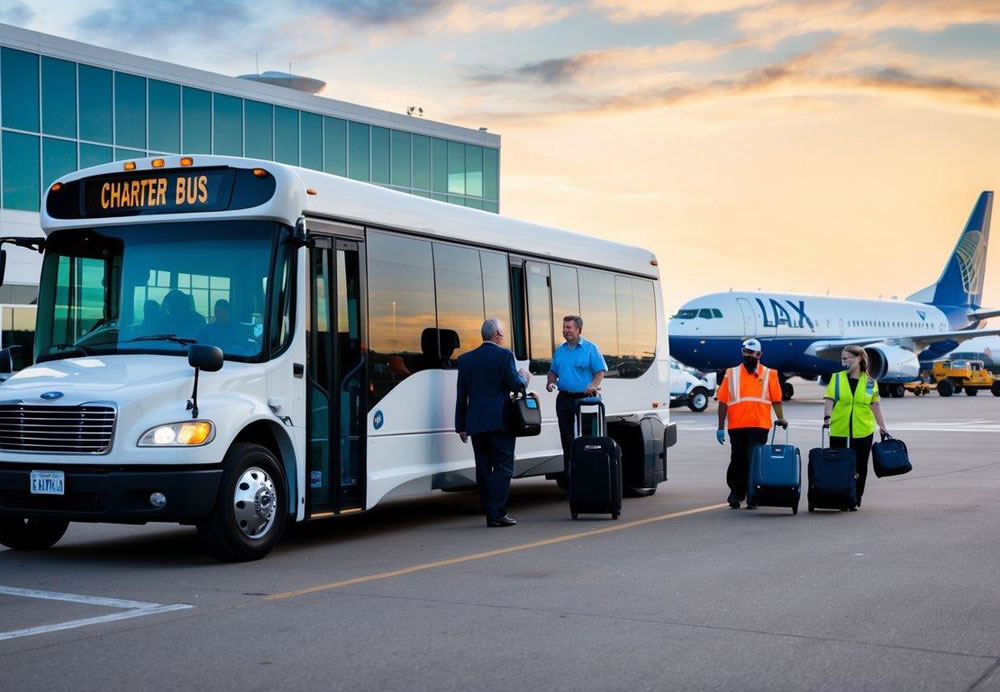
205,357
3,265
11,360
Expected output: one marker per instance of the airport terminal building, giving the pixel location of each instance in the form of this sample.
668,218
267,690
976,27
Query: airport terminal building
66,105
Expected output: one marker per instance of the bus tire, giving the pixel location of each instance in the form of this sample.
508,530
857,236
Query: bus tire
787,391
995,388
971,391
632,491
26,533
251,508
945,388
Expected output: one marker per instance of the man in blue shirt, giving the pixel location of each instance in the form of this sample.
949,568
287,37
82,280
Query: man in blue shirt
577,369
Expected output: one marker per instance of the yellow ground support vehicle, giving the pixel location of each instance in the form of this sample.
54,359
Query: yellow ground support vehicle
917,388
952,376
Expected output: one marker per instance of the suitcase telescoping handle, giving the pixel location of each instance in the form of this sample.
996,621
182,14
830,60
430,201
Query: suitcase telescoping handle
774,431
589,401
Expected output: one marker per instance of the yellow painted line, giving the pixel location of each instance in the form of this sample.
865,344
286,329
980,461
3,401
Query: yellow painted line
491,553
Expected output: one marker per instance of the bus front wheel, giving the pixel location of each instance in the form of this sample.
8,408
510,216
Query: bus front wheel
251,508
22,533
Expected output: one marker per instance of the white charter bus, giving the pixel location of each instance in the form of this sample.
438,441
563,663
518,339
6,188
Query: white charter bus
236,344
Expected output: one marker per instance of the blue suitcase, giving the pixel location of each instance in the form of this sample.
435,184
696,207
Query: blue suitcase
775,475
833,477
890,458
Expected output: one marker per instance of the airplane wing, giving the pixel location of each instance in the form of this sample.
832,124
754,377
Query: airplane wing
830,349
924,340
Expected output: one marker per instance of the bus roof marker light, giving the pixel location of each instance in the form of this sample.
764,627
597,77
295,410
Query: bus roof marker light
311,191
158,163
130,165
187,161
260,172
56,187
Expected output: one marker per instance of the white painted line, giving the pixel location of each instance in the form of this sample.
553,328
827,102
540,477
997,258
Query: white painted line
75,598
132,609
132,613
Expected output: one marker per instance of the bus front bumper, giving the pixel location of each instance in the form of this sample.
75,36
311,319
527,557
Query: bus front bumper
115,495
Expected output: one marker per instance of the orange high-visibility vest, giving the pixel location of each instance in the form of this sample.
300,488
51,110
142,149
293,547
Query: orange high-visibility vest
749,396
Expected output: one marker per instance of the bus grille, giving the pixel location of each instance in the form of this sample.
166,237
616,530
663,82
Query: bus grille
84,429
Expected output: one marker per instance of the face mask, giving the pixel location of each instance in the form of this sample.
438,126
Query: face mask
750,362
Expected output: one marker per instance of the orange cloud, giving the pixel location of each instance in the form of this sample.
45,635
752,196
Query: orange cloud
470,18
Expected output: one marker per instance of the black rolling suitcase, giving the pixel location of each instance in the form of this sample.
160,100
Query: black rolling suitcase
832,477
595,467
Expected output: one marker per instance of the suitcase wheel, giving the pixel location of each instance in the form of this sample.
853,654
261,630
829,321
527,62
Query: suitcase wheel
614,515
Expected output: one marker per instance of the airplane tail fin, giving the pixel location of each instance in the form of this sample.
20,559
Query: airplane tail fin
961,282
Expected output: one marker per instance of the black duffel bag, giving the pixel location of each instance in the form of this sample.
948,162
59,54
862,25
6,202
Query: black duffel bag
524,414
890,458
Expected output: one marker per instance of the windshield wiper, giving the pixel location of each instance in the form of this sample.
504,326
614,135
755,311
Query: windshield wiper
72,350
165,337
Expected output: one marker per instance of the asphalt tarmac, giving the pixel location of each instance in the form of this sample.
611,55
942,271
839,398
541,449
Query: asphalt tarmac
681,593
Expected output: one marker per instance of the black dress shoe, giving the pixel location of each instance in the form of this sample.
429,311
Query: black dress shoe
734,502
502,520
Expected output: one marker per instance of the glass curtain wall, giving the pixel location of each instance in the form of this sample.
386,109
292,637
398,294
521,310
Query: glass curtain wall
58,116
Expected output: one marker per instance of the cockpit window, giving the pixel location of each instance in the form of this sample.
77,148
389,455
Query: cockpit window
705,313
685,315
717,312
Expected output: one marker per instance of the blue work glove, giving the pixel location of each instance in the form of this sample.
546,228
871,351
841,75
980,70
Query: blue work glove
720,435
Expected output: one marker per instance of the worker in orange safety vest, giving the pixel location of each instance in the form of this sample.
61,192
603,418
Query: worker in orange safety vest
748,393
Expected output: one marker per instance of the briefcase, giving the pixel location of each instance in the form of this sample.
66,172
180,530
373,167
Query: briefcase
524,414
890,458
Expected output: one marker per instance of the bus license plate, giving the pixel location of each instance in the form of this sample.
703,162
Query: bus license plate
48,483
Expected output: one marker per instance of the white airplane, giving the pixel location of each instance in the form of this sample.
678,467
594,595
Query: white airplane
804,334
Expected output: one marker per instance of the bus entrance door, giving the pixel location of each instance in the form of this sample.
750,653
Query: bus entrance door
337,374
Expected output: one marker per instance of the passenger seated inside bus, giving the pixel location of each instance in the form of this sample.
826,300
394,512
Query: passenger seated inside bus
223,332
151,317
179,316
430,339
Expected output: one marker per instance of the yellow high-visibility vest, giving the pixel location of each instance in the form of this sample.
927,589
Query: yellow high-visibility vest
852,413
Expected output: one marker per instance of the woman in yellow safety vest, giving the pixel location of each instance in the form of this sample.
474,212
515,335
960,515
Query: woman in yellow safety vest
852,409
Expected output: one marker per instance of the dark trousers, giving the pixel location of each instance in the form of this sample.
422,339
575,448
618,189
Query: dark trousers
494,467
566,414
743,440
862,447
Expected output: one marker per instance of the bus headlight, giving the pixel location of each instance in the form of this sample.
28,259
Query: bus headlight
187,434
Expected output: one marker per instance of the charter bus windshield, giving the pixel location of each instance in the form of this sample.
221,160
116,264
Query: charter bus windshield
236,344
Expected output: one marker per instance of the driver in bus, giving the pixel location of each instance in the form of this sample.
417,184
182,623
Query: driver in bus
222,331
179,315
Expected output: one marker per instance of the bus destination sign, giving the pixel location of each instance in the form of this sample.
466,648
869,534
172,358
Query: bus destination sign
158,192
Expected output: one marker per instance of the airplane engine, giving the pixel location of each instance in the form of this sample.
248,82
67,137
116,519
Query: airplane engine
892,364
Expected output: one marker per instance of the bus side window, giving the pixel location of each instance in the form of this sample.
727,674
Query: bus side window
539,317
400,308
518,327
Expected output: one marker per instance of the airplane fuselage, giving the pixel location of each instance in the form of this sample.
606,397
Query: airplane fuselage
706,332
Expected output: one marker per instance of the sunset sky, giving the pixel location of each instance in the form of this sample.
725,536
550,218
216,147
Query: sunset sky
825,145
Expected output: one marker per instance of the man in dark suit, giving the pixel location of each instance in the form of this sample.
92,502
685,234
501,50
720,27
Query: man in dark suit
486,377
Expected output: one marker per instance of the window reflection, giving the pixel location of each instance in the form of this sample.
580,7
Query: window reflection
459,285
400,309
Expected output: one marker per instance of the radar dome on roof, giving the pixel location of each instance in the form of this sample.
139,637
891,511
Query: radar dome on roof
289,81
